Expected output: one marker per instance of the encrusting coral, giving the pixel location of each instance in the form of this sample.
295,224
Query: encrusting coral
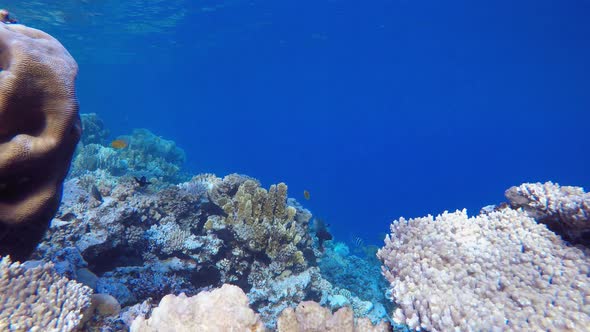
496,271
37,299
39,130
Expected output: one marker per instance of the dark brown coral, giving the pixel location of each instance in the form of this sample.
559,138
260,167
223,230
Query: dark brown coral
39,130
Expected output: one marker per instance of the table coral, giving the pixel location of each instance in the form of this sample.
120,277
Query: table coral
39,130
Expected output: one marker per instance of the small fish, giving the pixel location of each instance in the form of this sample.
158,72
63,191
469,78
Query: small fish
6,18
358,242
96,193
321,231
142,182
306,195
119,144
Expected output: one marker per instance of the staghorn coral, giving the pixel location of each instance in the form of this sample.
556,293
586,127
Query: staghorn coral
37,299
310,316
39,130
501,270
564,209
223,309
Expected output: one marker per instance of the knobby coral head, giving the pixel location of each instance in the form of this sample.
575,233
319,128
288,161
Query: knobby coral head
39,130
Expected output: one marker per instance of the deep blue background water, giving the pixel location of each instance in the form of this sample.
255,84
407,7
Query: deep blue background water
380,109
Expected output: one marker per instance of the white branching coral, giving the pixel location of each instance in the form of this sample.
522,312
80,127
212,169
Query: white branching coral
564,209
37,299
500,270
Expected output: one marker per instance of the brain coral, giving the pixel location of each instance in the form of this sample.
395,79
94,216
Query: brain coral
39,130
496,271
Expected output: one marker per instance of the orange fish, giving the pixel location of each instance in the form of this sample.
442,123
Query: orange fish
119,144
306,195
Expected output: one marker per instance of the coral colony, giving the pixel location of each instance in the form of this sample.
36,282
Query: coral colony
138,245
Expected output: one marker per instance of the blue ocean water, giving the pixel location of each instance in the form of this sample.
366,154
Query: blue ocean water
380,109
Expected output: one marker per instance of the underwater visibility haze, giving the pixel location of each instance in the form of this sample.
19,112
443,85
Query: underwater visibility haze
368,111
380,110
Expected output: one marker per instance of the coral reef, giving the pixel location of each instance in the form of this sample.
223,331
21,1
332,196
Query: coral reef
140,243
271,294
564,209
39,130
499,270
357,281
38,299
93,130
145,155
223,309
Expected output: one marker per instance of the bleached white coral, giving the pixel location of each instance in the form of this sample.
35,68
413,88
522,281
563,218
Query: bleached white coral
170,237
37,299
500,270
